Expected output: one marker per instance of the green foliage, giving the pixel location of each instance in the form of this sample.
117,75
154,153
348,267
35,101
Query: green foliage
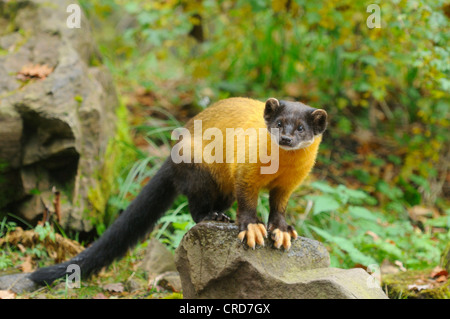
6,227
10,256
39,251
391,82
5,261
356,234
177,221
45,231
174,224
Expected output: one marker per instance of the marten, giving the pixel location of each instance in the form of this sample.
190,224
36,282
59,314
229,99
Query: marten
285,137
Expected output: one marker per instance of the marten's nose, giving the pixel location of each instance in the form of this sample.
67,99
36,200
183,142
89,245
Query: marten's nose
286,140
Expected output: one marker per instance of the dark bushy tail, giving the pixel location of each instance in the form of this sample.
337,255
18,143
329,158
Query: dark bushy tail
130,227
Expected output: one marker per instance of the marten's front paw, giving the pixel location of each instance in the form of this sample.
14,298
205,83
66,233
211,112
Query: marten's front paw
283,238
255,234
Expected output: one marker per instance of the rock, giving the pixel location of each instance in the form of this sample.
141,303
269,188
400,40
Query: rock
54,130
159,263
17,283
213,263
132,285
169,280
158,259
415,284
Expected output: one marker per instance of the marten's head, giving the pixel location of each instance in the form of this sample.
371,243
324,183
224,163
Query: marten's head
296,124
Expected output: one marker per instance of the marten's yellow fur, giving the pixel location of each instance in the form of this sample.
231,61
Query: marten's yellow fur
244,180
212,181
293,167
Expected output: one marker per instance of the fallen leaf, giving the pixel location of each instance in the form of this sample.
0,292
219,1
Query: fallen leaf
438,272
7,294
388,268
100,296
446,9
61,248
360,266
400,265
116,287
390,241
27,265
21,248
421,214
169,280
373,235
442,278
37,71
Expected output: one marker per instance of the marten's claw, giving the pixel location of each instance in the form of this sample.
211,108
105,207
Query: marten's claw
255,234
219,217
283,238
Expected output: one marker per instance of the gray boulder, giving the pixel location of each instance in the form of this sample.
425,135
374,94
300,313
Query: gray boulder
54,129
160,266
213,263
17,283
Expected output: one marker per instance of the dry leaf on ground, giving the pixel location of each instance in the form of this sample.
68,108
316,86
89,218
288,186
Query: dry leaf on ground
60,249
438,272
36,71
373,235
400,265
116,287
418,287
441,279
7,294
27,265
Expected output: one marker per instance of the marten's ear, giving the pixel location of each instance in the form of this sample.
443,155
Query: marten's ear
272,104
319,120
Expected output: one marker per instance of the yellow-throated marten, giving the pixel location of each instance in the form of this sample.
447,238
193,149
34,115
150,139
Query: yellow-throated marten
212,174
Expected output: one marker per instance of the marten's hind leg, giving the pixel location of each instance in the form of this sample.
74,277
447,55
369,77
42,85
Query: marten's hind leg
206,201
221,204
209,206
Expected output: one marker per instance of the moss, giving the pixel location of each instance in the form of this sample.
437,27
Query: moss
8,12
396,286
116,156
445,259
95,61
175,295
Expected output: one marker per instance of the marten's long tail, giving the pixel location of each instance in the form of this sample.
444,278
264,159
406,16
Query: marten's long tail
130,227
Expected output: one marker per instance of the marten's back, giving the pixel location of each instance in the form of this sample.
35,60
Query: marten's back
234,112
243,113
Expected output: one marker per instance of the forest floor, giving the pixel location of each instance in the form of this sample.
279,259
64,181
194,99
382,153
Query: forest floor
126,280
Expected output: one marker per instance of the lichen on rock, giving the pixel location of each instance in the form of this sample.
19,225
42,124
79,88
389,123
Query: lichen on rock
415,284
213,263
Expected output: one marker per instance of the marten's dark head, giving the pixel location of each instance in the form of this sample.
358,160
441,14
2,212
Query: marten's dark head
297,124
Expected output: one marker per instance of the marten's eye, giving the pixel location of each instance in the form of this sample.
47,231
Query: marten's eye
300,128
279,124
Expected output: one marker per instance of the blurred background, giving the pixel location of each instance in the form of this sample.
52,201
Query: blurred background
380,191
385,156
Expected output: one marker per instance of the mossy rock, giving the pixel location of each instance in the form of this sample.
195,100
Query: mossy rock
214,264
61,129
400,285
445,260
117,155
